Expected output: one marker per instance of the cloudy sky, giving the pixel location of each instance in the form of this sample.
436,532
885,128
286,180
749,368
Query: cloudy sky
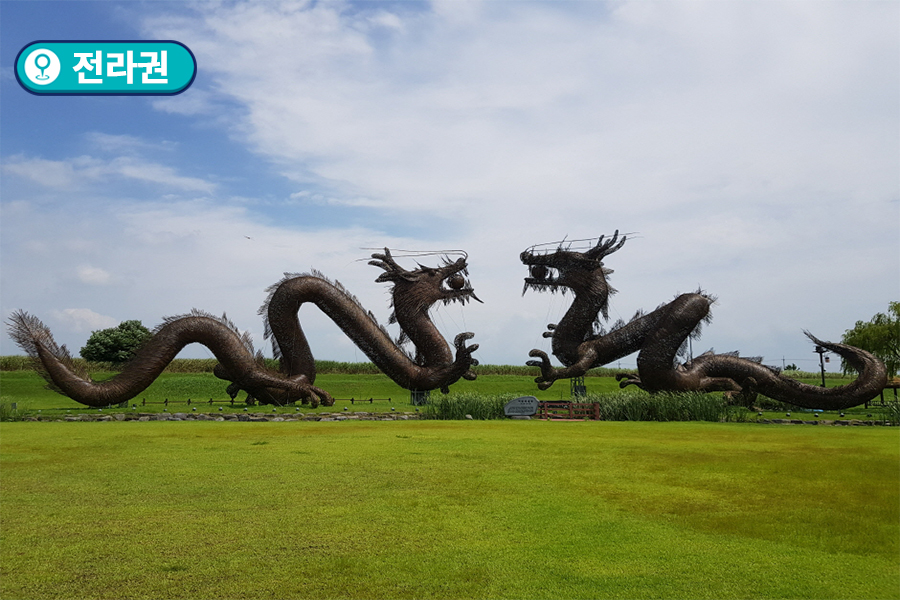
751,148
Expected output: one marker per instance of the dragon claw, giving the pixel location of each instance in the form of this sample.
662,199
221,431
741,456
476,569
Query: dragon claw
547,372
626,379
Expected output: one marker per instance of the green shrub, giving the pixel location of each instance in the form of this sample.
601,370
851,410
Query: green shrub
116,344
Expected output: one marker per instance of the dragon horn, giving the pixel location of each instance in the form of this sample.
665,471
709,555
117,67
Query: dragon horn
392,270
606,248
386,262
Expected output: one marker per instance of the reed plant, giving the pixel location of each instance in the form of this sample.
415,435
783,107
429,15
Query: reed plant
462,405
890,413
206,365
616,406
640,406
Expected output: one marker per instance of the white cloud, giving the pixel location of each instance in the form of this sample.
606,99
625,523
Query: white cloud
86,170
123,143
93,275
196,103
83,319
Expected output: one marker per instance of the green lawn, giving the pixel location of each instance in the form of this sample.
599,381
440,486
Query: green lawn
485,509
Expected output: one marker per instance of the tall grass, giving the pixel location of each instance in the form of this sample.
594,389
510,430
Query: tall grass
640,406
191,365
9,411
890,413
618,406
456,406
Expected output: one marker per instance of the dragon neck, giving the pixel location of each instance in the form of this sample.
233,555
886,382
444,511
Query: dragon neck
576,325
358,324
412,316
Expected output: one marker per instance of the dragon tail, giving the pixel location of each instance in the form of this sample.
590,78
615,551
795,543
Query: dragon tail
48,357
868,384
55,364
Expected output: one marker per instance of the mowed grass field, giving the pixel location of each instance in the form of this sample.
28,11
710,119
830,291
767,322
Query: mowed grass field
448,509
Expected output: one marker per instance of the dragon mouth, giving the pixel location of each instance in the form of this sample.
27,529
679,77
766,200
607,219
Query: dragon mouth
455,287
458,289
541,277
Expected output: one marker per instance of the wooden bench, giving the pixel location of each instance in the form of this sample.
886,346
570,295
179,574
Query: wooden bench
570,411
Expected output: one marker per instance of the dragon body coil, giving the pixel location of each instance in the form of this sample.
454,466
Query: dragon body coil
659,336
413,293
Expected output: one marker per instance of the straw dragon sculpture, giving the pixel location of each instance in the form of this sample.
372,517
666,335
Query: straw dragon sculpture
580,344
413,293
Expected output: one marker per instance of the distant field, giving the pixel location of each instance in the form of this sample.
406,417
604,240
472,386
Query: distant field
28,386
460,509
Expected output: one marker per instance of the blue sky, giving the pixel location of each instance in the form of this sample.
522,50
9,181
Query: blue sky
752,147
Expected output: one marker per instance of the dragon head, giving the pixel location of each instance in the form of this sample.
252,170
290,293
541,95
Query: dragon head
563,268
420,288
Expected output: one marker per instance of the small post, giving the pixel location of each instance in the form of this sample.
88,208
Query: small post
821,352
419,397
577,387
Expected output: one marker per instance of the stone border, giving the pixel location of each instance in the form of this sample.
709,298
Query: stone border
351,416
845,422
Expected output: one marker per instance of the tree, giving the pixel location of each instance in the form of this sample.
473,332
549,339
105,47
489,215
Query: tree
116,344
880,336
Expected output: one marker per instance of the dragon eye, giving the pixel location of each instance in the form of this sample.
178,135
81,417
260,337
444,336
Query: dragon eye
456,282
539,272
